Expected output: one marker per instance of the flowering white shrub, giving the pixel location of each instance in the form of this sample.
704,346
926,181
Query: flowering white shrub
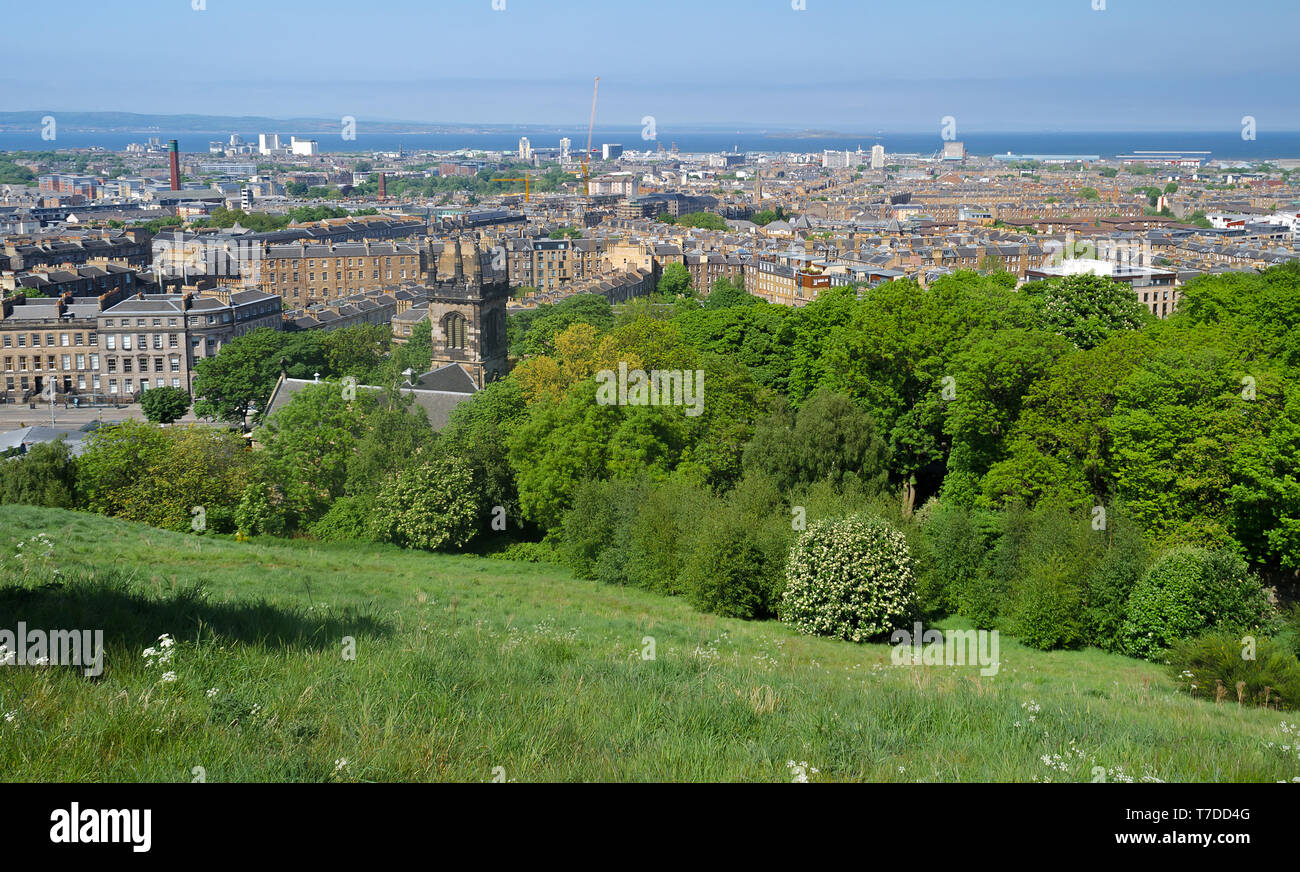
852,578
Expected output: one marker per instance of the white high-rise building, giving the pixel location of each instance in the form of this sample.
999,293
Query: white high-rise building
836,160
566,145
304,147
525,148
268,143
877,157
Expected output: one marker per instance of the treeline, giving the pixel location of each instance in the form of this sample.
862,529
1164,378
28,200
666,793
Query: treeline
1062,466
262,222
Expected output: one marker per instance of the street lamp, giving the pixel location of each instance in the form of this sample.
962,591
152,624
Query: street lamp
49,395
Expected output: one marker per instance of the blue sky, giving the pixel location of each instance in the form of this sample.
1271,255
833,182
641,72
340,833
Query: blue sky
846,65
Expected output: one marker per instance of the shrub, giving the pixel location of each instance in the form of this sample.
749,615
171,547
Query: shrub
1288,632
600,509
1188,591
349,519
735,567
1111,583
1046,608
956,542
263,509
45,476
655,537
430,505
529,552
852,578
1212,667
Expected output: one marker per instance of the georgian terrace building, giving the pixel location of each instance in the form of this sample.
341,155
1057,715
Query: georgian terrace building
304,274
155,340
110,348
44,340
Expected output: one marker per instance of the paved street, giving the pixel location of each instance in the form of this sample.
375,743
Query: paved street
14,416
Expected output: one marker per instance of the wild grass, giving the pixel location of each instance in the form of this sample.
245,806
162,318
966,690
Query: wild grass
471,669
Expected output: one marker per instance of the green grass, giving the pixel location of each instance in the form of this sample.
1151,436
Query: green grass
464,664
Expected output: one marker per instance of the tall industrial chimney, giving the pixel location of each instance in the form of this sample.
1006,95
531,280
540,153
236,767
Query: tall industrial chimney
174,156
383,190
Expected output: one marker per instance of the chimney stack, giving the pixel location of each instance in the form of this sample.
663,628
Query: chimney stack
383,189
173,153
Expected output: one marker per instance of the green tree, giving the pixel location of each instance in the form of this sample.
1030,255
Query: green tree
1085,309
308,445
239,377
703,220
830,438
478,432
989,385
533,332
113,460
45,476
726,293
675,281
164,405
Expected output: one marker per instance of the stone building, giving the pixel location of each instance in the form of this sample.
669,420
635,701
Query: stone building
467,311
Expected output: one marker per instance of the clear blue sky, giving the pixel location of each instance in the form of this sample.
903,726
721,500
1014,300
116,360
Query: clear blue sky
850,65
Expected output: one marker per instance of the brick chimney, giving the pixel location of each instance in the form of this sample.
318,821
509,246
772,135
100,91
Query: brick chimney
174,158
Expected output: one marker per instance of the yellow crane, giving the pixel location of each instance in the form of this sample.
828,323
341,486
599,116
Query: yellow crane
524,180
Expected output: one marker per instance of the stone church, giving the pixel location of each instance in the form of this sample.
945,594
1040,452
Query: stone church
468,312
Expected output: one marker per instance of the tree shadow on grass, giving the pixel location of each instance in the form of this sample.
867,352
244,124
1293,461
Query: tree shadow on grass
133,616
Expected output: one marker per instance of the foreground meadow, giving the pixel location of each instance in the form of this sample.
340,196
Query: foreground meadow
295,661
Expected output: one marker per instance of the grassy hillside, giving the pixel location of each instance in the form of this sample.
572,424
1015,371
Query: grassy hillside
465,664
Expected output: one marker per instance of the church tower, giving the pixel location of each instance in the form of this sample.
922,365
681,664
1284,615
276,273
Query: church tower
468,312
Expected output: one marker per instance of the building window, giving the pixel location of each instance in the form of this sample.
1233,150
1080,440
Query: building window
453,329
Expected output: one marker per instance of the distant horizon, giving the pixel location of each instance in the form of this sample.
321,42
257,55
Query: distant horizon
371,138
1022,65
31,119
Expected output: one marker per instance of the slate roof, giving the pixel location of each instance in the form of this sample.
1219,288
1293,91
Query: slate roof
445,392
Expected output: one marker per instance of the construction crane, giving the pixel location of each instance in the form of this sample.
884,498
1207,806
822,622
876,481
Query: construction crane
586,155
524,180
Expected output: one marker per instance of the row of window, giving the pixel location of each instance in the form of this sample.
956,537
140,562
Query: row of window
66,360
173,363
127,387
64,339
111,341
360,261
140,322
338,276
91,362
